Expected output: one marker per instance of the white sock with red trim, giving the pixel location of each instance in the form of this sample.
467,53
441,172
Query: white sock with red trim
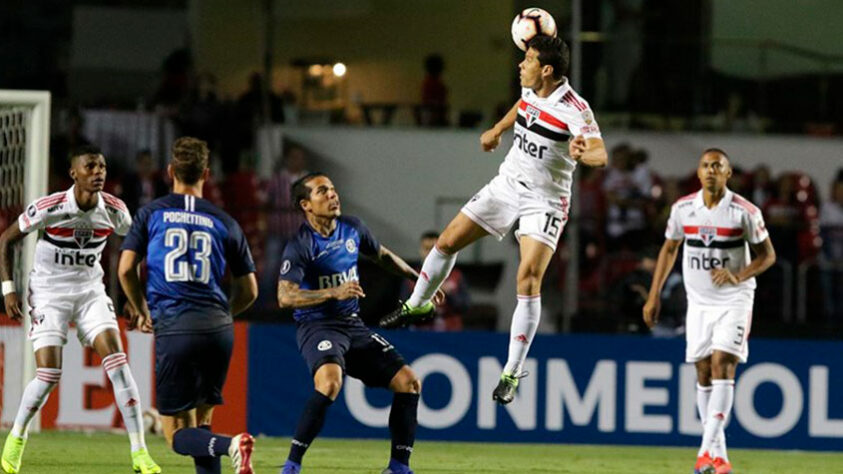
719,409
126,396
436,268
34,397
525,321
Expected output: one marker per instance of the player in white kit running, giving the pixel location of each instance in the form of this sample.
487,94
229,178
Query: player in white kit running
716,226
554,131
66,287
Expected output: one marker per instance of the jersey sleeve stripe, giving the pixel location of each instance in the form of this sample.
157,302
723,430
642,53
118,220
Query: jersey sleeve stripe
50,201
569,98
687,197
744,204
114,201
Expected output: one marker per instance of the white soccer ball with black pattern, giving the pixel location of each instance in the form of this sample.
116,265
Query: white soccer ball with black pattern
529,23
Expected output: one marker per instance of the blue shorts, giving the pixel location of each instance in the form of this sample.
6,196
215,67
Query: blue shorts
361,353
190,369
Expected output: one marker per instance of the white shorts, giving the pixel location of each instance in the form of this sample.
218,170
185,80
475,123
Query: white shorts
717,328
497,206
51,313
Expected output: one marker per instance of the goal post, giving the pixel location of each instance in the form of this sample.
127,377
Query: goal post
24,171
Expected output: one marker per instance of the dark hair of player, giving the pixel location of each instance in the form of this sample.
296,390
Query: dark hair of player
719,151
190,158
82,151
300,190
431,234
552,52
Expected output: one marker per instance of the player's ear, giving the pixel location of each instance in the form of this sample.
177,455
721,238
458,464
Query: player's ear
170,173
206,174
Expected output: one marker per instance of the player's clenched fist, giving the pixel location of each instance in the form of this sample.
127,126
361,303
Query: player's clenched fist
348,290
13,306
576,147
651,311
490,140
722,276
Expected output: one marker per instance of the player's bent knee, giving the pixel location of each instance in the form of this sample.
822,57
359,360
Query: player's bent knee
406,381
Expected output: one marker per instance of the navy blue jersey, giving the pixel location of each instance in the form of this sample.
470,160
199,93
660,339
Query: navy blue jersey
188,242
316,262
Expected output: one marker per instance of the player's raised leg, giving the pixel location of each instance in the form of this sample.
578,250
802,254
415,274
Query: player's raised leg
47,375
535,257
126,396
327,382
461,232
403,419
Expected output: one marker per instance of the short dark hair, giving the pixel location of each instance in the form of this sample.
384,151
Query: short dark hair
190,159
552,52
83,150
716,150
300,190
431,234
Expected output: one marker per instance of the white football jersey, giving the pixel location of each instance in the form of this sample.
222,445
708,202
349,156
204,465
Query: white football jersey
68,251
716,238
539,155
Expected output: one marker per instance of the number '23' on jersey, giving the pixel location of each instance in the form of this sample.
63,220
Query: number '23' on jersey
188,243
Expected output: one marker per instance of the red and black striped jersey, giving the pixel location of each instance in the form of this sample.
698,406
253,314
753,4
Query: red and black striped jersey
716,238
69,249
539,155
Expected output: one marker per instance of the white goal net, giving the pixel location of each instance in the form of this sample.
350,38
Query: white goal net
24,163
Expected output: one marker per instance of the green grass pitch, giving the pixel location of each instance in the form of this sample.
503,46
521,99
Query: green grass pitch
52,452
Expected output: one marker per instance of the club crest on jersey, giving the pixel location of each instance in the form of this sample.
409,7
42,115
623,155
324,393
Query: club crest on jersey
324,345
31,210
82,236
707,234
350,246
532,115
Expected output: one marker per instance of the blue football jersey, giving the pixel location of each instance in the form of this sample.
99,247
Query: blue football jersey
316,262
188,242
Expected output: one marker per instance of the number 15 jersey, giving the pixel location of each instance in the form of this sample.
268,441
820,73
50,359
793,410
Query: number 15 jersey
188,243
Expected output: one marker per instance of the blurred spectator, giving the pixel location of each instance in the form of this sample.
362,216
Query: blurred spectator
449,314
786,219
626,225
624,50
434,94
831,228
144,184
629,294
740,182
252,112
762,186
283,218
736,117
176,83
204,116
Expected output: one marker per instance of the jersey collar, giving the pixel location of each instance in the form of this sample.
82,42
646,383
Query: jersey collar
699,202
557,94
73,206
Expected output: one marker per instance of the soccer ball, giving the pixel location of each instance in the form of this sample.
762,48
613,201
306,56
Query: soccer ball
152,422
529,23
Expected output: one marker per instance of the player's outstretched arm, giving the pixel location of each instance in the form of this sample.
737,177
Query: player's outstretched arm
492,138
290,295
244,292
127,271
667,257
11,235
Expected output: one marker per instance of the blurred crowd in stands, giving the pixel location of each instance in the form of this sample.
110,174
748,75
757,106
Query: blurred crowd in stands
623,210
